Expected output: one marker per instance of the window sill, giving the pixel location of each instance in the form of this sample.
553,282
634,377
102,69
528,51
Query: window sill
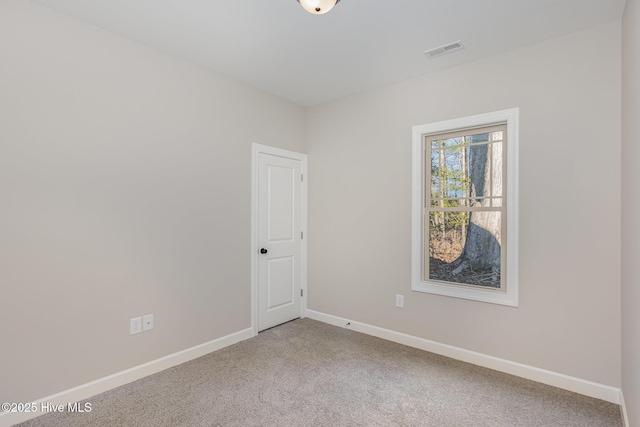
492,296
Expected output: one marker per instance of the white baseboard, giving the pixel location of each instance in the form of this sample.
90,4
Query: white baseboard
101,385
623,409
577,385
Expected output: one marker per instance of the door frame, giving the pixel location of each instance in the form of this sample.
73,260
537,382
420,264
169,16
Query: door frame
258,149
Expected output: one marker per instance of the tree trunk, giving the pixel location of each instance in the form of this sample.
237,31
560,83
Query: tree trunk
481,251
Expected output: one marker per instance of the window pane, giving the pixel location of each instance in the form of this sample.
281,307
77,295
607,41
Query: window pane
436,185
496,169
450,184
447,233
446,142
476,138
465,248
466,171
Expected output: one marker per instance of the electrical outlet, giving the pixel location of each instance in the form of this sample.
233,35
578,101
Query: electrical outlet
135,325
399,300
147,322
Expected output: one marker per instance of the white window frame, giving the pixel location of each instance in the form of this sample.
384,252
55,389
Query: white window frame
508,296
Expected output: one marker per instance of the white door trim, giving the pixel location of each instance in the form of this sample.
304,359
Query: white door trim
258,149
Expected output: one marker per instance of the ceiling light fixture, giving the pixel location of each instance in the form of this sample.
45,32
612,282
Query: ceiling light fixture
318,7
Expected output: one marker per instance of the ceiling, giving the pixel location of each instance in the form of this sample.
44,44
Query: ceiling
276,46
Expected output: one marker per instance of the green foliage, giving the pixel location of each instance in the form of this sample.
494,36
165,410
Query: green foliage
450,186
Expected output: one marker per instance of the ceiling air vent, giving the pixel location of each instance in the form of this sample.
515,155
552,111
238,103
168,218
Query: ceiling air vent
443,50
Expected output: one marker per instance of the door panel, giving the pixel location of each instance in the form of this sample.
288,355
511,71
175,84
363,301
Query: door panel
280,282
279,234
280,201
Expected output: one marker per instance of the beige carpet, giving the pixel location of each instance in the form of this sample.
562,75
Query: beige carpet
306,373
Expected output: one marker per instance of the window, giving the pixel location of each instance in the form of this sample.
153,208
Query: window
465,208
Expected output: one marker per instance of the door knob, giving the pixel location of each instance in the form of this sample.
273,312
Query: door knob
263,251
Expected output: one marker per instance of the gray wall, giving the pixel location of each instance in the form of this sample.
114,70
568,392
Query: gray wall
568,91
631,210
125,190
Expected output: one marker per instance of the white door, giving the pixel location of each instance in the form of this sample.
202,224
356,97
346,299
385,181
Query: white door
279,239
